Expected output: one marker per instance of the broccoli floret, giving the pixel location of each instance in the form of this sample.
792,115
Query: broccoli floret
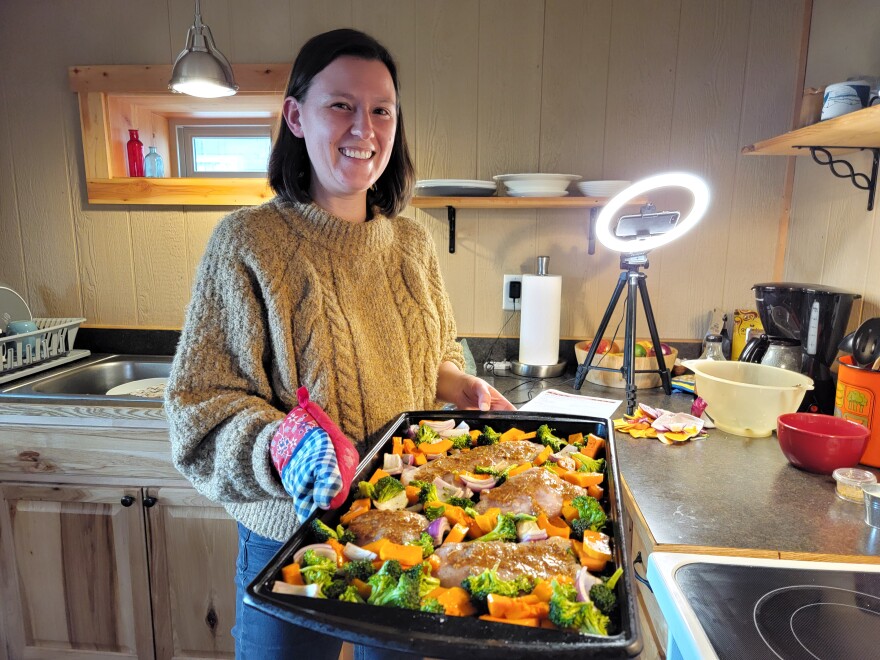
366,489
403,592
427,492
316,569
603,595
351,595
426,434
322,533
361,569
427,584
386,488
500,475
587,464
505,527
432,605
433,512
488,437
567,613
426,542
384,580
461,441
488,582
334,589
591,515
545,436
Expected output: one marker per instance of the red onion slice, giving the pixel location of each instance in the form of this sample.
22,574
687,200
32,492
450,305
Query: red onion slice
528,530
583,582
478,485
445,490
407,474
393,463
461,429
321,549
309,590
438,528
445,425
355,552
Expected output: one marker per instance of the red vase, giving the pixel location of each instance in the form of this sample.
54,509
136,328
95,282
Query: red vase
135,150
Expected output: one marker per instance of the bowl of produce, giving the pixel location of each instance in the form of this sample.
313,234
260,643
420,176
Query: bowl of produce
610,354
745,398
820,443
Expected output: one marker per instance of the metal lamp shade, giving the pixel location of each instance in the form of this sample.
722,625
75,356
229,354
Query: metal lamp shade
201,69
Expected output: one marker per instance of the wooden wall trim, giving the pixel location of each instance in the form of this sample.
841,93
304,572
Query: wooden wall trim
147,78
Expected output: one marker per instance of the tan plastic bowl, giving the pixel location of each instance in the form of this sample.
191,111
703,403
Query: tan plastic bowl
745,398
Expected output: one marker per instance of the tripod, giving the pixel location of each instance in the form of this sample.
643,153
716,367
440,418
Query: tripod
632,278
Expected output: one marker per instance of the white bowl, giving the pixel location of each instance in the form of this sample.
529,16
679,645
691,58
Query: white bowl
745,398
602,188
537,184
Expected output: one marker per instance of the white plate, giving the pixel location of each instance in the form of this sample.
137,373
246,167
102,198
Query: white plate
455,188
537,176
540,193
12,308
135,385
602,188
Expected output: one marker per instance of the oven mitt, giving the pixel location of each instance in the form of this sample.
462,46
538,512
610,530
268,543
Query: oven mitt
314,459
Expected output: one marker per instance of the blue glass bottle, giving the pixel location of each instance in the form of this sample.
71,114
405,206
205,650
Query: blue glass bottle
153,165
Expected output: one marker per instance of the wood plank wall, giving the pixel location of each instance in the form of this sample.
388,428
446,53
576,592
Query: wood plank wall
607,89
833,238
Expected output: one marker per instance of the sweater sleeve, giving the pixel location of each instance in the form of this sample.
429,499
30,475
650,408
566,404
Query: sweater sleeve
219,399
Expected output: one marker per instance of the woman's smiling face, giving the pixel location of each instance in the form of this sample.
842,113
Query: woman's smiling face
348,120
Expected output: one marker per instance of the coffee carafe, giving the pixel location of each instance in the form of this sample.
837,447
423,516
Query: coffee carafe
816,317
779,352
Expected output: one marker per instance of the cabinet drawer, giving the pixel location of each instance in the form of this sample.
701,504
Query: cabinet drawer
71,453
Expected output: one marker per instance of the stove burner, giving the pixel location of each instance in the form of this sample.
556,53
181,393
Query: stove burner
826,622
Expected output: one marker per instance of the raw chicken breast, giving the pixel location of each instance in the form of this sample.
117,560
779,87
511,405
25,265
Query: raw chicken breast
515,451
533,491
397,526
539,559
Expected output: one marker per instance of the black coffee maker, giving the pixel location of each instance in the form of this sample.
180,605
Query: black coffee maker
817,317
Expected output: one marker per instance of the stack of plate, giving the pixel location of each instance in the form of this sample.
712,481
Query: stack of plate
536,185
455,188
602,188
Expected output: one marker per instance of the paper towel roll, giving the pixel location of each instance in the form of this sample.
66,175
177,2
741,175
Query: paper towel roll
539,320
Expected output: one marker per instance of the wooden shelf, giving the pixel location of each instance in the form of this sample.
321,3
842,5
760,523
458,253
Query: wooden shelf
824,141
857,130
509,202
453,203
197,192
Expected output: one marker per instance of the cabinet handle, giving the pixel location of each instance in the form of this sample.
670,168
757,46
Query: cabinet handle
127,500
149,502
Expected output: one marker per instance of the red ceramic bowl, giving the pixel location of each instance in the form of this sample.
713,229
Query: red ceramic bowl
820,443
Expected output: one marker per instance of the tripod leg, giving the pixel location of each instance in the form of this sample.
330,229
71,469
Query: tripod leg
655,337
629,343
584,368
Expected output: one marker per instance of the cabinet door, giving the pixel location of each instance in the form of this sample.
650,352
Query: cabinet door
193,548
74,580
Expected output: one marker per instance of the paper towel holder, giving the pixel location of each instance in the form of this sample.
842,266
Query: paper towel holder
539,370
633,239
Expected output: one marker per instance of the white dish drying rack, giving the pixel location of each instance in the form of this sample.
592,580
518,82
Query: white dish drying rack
50,345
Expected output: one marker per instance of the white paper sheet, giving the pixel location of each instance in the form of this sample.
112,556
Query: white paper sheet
554,401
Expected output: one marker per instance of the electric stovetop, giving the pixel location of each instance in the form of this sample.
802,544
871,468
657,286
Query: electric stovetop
731,607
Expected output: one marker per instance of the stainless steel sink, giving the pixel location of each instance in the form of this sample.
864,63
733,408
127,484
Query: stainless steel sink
92,379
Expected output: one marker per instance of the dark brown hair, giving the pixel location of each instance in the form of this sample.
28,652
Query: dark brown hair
289,164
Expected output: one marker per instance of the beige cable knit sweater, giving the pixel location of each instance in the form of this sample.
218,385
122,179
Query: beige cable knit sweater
288,295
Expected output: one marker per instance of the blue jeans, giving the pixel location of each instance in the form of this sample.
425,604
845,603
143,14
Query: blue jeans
260,636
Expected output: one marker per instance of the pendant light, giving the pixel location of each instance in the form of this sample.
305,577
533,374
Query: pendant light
201,69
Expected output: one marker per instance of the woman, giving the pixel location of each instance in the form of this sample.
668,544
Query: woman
325,288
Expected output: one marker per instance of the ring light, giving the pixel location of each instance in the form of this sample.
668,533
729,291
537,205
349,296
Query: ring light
645,231
694,184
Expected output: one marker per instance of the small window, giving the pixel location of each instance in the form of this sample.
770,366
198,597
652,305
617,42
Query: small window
215,150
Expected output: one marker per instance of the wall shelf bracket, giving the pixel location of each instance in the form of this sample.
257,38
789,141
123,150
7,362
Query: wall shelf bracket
591,235
450,215
844,170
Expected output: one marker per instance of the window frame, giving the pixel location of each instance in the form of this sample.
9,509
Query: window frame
184,129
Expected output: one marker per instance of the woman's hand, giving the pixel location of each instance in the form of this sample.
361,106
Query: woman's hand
468,392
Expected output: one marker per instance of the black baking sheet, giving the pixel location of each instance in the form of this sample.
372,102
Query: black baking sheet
438,636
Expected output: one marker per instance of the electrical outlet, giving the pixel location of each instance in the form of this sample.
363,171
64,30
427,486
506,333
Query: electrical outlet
507,303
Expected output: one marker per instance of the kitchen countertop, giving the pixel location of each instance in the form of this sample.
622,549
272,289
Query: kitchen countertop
724,494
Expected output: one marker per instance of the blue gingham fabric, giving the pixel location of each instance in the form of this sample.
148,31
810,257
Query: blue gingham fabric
311,476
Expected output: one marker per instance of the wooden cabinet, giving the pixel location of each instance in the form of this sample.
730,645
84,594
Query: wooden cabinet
93,572
105,549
